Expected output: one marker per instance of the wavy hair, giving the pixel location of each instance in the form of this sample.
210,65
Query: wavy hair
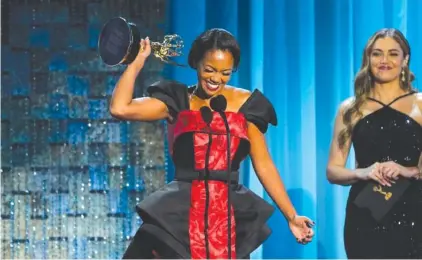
364,80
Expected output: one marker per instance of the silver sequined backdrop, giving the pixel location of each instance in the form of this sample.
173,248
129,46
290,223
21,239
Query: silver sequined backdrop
70,174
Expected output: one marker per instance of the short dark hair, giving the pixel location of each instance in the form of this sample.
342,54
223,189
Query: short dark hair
213,39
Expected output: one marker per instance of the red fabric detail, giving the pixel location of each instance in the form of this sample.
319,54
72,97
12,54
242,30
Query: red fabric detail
191,121
217,221
218,153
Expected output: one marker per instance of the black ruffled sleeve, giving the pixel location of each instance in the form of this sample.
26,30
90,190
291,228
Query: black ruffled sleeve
174,94
259,111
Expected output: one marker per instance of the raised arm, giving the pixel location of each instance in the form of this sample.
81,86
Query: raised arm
122,104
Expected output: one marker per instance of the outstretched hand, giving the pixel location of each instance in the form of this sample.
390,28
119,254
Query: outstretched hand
301,228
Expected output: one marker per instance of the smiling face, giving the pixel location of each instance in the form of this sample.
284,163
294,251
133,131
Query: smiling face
215,70
386,60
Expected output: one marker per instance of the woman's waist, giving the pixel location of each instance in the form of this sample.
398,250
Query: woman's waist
189,175
406,161
215,199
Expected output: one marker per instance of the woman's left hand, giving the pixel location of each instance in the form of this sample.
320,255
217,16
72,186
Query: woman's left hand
393,170
301,227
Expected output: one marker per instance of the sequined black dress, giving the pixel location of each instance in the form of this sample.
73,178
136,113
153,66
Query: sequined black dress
386,135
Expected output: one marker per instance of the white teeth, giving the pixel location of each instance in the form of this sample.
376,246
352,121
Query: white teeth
212,86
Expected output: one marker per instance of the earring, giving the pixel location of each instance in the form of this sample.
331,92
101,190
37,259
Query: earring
403,78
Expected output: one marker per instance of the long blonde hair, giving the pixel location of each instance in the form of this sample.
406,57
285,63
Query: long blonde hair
364,79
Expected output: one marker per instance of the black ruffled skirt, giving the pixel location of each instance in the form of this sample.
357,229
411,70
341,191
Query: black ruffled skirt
165,228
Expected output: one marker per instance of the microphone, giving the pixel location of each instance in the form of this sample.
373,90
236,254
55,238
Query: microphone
206,114
219,104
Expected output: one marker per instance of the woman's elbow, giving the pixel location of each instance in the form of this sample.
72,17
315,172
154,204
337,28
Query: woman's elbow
330,176
117,111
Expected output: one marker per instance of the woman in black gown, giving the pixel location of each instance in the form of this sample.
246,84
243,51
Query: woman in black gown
383,121
204,212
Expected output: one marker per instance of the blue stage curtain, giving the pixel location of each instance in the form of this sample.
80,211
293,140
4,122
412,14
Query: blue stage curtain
303,54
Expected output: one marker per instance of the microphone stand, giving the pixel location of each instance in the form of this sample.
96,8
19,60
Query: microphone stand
219,104
207,116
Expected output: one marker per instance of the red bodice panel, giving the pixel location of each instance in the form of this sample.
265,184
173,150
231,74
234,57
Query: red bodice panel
191,122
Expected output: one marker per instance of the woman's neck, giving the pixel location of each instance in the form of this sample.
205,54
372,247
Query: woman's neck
199,92
387,91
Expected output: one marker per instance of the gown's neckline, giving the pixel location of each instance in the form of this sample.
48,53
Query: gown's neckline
394,100
388,106
191,91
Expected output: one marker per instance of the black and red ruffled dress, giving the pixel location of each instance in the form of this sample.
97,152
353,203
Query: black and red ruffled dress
189,218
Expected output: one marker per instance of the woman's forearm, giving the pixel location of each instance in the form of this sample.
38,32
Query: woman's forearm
342,176
418,169
273,184
415,172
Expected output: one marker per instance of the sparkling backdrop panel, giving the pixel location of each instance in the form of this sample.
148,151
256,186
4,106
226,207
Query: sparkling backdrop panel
71,175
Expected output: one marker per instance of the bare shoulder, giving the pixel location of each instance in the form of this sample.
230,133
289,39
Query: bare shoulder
419,99
237,96
239,92
346,104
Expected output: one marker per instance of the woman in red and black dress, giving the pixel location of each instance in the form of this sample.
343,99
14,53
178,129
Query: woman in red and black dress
189,217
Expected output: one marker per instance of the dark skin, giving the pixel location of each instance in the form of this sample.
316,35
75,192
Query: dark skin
214,71
216,67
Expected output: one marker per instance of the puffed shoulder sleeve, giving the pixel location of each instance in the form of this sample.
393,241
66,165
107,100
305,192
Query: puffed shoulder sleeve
259,111
172,93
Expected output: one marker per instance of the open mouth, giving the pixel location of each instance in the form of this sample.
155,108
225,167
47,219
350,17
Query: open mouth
211,86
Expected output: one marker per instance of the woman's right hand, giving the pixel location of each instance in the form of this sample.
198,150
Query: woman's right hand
144,52
373,172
